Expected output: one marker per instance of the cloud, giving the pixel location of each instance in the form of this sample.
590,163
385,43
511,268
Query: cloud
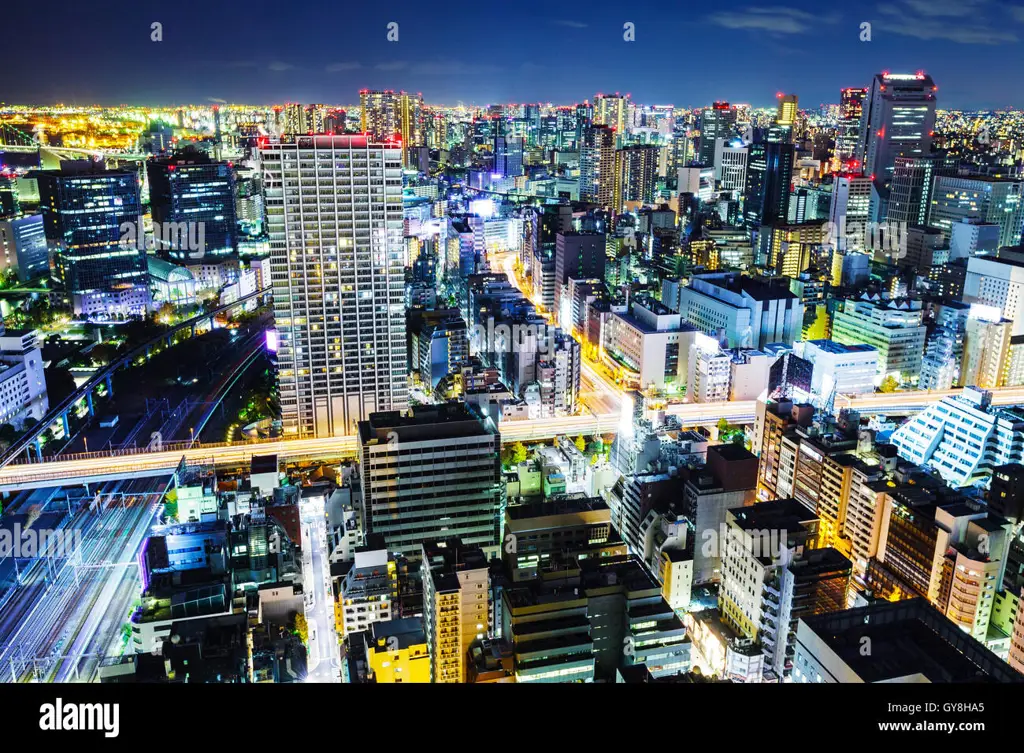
277,65
395,65
773,20
896,20
452,68
947,8
1017,11
339,67
217,100
242,64
571,24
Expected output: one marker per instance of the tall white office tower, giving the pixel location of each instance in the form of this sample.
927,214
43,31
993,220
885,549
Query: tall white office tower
897,120
334,215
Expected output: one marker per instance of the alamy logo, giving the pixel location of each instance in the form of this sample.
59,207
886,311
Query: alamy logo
189,237
80,717
44,542
887,237
757,542
518,338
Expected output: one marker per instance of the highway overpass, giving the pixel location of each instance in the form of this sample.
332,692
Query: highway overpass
103,466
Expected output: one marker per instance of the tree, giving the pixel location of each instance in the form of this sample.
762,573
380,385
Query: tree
889,384
581,444
301,627
723,426
8,434
518,453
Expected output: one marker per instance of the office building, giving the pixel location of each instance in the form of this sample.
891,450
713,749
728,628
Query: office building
998,282
337,266
769,180
998,201
455,606
894,328
545,536
911,189
650,344
851,104
731,165
788,110
962,437
614,111
849,212
716,122
742,312
431,473
898,120
10,205
93,224
22,381
23,247
191,189
972,237
580,256
845,369
910,641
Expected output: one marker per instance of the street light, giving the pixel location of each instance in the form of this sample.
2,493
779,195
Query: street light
192,431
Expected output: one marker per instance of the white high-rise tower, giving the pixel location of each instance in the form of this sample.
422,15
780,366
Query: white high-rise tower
334,216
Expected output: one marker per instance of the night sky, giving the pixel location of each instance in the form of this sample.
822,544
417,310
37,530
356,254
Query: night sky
480,51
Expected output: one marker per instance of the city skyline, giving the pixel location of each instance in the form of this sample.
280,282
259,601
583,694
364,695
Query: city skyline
723,56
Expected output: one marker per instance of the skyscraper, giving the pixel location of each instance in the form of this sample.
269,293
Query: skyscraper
613,110
716,122
387,114
910,189
334,216
786,116
190,187
637,174
597,165
769,178
897,120
86,212
851,105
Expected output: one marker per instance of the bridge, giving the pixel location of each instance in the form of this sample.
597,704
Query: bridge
59,413
13,139
136,463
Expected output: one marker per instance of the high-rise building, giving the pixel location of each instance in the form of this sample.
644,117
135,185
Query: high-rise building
337,262
389,115
769,181
23,247
455,605
434,472
998,282
910,190
787,112
597,165
962,437
93,223
898,120
189,188
716,122
731,165
637,174
580,256
613,110
894,328
851,104
996,200
849,211
295,119
10,206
